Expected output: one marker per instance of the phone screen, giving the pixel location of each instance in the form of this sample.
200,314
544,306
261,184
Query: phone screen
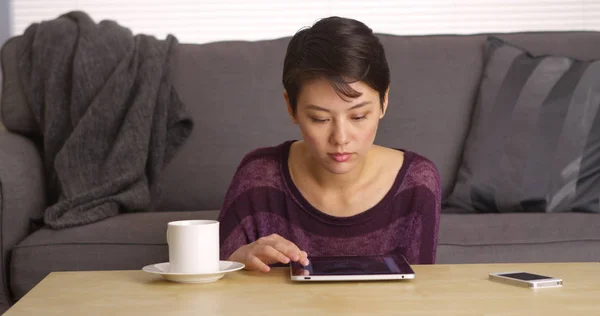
524,276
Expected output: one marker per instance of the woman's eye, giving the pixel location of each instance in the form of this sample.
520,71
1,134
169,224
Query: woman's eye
359,118
318,120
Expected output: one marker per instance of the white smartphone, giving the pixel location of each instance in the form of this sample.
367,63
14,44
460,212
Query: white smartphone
525,279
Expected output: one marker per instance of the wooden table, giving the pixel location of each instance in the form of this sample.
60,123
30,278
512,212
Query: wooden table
437,290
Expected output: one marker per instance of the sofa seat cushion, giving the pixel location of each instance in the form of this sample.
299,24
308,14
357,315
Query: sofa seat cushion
125,242
131,241
518,237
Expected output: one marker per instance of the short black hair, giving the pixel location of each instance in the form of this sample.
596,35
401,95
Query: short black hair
343,51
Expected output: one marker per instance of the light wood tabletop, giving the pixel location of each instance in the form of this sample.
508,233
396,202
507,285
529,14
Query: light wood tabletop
437,290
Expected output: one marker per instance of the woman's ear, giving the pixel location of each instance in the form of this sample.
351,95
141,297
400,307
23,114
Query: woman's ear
289,107
385,102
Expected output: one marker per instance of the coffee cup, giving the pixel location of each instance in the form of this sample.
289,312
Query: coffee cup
193,246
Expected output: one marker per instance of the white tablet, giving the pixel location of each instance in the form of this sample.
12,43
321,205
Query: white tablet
353,268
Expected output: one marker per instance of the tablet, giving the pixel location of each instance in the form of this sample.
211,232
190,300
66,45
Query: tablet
353,268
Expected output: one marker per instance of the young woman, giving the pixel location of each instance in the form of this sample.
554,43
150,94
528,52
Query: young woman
334,192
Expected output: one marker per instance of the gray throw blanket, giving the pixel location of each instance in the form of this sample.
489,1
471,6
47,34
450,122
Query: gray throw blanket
109,117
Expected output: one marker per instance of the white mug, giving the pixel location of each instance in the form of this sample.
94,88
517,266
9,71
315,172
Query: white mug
193,246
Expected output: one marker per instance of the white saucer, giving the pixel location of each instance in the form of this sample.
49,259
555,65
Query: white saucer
163,269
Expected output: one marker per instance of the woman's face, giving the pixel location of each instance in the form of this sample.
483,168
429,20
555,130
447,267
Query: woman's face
338,132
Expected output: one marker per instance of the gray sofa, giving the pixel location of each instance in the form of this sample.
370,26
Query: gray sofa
234,92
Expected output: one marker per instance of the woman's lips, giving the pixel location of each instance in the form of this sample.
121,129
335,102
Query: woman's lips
340,157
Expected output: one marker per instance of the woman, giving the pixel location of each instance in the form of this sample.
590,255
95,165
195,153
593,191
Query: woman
333,193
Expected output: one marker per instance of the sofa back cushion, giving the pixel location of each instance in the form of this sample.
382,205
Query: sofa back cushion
234,92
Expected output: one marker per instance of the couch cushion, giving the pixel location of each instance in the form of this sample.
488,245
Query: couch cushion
125,242
234,93
525,237
131,241
535,139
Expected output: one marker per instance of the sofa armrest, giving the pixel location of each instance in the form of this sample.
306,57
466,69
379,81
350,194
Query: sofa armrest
22,198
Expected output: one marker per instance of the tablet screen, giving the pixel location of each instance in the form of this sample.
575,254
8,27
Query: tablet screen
354,265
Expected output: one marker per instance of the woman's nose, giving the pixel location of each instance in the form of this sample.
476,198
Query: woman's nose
340,134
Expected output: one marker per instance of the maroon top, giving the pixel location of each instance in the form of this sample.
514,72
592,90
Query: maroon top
262,199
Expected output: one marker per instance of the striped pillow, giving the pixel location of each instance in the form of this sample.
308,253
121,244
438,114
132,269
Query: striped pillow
534,143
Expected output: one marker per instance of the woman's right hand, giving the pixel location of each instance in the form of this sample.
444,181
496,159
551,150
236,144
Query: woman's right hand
268,250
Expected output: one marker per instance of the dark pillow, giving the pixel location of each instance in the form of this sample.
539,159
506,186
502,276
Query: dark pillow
534,143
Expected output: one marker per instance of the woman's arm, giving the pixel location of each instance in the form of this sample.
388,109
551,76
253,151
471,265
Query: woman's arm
419,201
240,237
429,195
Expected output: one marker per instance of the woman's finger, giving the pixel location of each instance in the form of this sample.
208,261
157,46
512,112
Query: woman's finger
288,248
256,264
271,255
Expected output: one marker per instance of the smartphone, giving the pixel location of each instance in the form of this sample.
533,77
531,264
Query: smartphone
526,279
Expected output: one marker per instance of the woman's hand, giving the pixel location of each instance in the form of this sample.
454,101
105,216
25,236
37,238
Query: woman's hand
268,250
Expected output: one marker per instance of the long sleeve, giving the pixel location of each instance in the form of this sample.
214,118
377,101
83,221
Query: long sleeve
428,198
431,208
262,200
232,233
256,180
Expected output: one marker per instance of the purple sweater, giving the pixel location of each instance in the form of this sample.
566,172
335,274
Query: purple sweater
262,199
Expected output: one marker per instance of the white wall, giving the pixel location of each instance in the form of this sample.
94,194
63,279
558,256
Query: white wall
4,21
4,34
199,21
